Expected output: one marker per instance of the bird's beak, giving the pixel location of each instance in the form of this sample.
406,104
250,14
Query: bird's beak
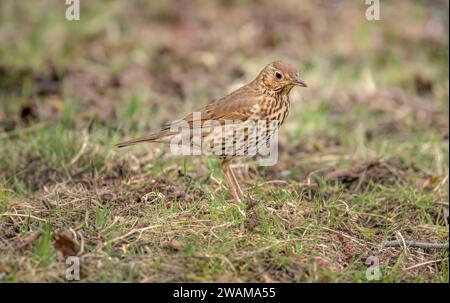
300,82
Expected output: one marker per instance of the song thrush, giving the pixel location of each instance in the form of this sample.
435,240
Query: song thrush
264,99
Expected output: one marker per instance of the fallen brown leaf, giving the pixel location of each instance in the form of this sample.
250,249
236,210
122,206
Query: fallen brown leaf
65,244
173,245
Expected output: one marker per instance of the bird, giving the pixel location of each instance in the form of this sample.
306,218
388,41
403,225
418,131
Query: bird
265,99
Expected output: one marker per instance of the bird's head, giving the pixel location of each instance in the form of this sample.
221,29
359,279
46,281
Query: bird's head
279,76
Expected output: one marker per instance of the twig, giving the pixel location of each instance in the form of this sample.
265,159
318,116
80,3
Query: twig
343,234
134,230
425,263
81,151
81,251
441,203
403,241
280,182
416,244
115,220
23,215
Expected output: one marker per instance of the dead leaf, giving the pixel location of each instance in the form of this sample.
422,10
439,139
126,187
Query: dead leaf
29,112
5,269
173,245
430,182
423,84
377,171
348,249
66,245
57,104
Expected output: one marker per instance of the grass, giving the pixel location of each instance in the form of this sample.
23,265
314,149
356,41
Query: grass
363,157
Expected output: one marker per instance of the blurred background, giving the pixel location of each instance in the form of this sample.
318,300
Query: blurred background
70,90
165,58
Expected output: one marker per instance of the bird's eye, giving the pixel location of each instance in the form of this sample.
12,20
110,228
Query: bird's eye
278,75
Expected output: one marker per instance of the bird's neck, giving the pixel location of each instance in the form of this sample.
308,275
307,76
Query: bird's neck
286,90
281,93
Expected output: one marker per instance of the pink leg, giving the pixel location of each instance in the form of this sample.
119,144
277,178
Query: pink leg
234,187
236,184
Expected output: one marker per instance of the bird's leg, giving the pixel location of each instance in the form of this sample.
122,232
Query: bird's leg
234,189
229,175
236,183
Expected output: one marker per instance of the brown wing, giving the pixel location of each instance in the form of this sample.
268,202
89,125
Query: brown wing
238,105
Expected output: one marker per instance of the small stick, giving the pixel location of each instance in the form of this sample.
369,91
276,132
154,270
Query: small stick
416,244
424,263
80,152
134,230
281,182
23,215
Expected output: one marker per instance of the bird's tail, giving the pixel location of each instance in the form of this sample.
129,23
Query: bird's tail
161,136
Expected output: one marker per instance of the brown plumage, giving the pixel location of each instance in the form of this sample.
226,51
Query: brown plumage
265,99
